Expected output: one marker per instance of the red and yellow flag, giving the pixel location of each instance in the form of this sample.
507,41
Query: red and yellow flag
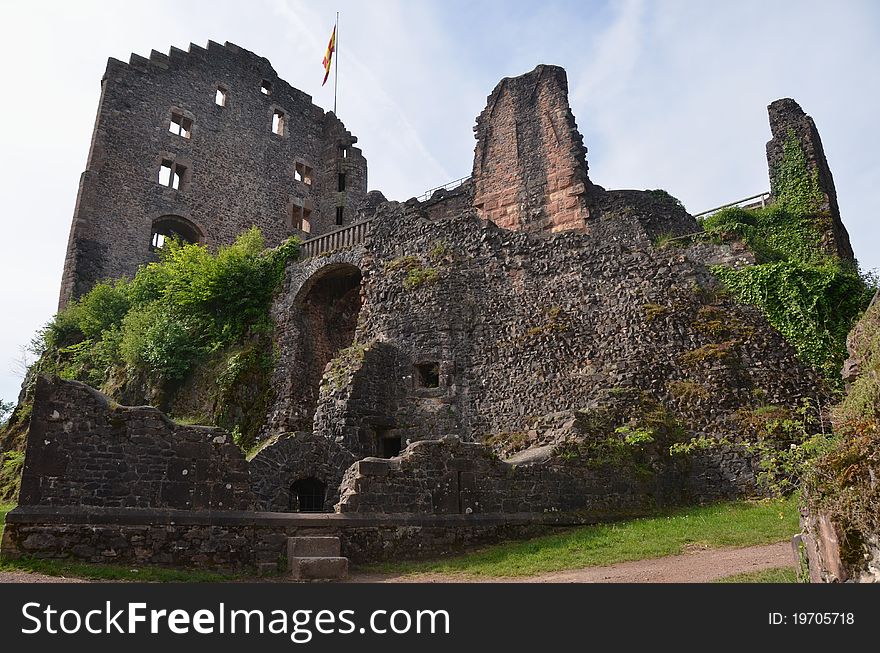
328,56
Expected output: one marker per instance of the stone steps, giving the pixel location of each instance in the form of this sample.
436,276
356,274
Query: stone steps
316,558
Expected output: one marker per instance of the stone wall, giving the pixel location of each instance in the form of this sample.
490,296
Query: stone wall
788,121
238,172
247,541
523,325
530,169
83,450
291,457
452,477
448,476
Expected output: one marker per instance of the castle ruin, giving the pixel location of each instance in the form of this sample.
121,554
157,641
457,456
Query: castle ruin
527,311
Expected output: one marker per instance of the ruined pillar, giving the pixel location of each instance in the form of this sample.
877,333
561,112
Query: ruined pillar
530,168
800,178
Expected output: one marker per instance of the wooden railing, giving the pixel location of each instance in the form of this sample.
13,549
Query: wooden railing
753,202
353,234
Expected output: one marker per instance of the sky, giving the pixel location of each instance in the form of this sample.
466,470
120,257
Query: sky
668,94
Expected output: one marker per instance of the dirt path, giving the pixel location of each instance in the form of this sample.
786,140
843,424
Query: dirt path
698,566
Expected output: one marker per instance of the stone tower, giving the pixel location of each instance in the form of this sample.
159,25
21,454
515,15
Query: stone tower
203,145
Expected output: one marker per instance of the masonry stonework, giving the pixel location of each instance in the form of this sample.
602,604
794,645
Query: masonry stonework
235,171
530,169
792,127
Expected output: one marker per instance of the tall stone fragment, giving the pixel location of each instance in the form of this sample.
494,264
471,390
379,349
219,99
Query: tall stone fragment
530,168
792,128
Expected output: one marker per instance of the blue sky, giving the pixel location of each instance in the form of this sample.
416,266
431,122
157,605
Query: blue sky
668,94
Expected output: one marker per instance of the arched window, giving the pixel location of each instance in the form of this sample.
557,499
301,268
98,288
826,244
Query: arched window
307,495
173,226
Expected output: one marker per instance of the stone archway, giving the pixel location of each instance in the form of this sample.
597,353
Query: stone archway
315,316
328,305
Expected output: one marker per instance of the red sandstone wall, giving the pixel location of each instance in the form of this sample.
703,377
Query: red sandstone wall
530,170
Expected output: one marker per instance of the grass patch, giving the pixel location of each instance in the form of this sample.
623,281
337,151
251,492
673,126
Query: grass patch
740,524
774,575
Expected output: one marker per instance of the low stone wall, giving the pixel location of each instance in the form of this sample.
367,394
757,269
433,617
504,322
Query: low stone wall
84,450
245,541
449,476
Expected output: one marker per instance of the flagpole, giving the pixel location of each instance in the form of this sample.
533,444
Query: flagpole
336,66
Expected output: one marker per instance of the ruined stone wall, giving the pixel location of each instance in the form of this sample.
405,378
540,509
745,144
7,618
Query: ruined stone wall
83,450
452,477
297,373
788,121
530,170
238,172
524,325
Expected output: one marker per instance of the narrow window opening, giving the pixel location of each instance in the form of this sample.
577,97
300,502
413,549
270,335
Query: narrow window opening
180,125
343,152
428,375
158,240
278,123
303,173
165,173
308,495
265,87
220,97
340,214
341,181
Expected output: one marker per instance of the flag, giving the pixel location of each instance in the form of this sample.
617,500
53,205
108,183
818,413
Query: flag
328,57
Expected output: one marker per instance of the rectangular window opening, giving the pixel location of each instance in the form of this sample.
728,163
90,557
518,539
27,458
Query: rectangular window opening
165,173
341,181
340,215
428,375
343,152
303,173
180,125
300,218
171,174
266,87
278,123
220,97
158,241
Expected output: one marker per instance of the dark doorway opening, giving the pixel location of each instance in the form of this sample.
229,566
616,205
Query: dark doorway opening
389,445
308,495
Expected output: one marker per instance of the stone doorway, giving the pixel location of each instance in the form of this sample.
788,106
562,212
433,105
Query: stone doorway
308,495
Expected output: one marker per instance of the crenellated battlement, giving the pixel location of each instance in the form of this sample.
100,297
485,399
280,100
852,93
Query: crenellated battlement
202,144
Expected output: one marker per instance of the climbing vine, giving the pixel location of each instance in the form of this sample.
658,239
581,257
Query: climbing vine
811,297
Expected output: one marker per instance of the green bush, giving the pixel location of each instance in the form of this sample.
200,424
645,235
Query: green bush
172,314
